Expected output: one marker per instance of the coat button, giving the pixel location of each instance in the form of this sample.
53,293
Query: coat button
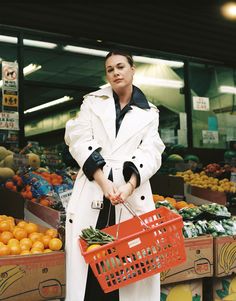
70,221
90,148
142,197
141,165
133,157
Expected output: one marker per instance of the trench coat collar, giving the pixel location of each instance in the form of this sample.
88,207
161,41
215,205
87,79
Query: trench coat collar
103,105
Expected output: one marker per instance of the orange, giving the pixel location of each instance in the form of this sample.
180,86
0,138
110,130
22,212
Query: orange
55,244
36,251
25,252
13,241
47,251
38,245
31,227
15,249
20,233
5,226
26,243
45,240
35,236
5,236
4,250
22,224
51,232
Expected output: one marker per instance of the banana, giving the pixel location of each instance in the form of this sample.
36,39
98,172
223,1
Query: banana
222,256
10,274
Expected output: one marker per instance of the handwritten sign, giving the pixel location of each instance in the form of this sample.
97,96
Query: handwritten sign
210,137
9,121
201,103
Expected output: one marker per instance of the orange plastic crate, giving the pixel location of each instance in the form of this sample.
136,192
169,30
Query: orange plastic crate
138,252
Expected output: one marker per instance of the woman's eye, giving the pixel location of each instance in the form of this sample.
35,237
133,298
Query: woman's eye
109,70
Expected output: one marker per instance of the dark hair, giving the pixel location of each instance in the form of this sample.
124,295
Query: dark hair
123,53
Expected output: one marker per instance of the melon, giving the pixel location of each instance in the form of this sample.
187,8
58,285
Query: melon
229,154
6,173
34,160
174,158
191,158
9,162
4,152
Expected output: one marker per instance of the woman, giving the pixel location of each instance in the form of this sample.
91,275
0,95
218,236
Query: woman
116,143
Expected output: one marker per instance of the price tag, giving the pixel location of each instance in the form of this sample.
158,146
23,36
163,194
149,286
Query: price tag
65,197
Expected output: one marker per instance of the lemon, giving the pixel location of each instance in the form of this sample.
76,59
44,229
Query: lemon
92,247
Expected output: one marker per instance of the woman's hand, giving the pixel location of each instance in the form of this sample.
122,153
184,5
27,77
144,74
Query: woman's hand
123,192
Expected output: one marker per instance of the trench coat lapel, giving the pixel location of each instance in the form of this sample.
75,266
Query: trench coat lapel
134,121
104,107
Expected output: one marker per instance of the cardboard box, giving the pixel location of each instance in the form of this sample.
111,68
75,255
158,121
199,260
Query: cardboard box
224,255
209,195
199,262
188,290
32,277
224,288
48,215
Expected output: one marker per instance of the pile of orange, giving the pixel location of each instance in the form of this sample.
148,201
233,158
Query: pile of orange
24,238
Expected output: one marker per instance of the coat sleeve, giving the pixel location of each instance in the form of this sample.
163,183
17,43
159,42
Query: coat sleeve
82,145
146,160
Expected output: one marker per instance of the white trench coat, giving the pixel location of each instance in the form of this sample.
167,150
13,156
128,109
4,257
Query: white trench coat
137,141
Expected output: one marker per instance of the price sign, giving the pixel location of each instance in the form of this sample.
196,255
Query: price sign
65,197
210,137
201,103
9,121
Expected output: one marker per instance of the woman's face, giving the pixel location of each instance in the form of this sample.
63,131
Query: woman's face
119,73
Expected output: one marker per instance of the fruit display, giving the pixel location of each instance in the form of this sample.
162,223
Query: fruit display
204,181
25,238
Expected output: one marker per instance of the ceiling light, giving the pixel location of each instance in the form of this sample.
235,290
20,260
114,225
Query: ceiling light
229,10
49,104
150,60
41,44
227,89
31,68
84,50
8,39
151,81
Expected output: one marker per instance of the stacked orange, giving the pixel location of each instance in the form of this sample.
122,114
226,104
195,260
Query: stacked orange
23,238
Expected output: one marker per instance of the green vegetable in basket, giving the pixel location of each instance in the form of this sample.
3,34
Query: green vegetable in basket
96,236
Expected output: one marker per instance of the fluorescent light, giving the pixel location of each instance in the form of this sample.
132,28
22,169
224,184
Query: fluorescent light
31,68
84,50
41,44
8,39
151,81
227,89
150,60
49,104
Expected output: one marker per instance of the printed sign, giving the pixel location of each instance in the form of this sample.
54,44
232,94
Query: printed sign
10,75
201,103
210,137
9,121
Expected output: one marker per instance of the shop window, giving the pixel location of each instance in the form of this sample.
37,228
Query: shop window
213,105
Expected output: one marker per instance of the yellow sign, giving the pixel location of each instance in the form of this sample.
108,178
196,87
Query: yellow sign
10,100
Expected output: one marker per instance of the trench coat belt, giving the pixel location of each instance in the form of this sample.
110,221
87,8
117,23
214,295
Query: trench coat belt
114,163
